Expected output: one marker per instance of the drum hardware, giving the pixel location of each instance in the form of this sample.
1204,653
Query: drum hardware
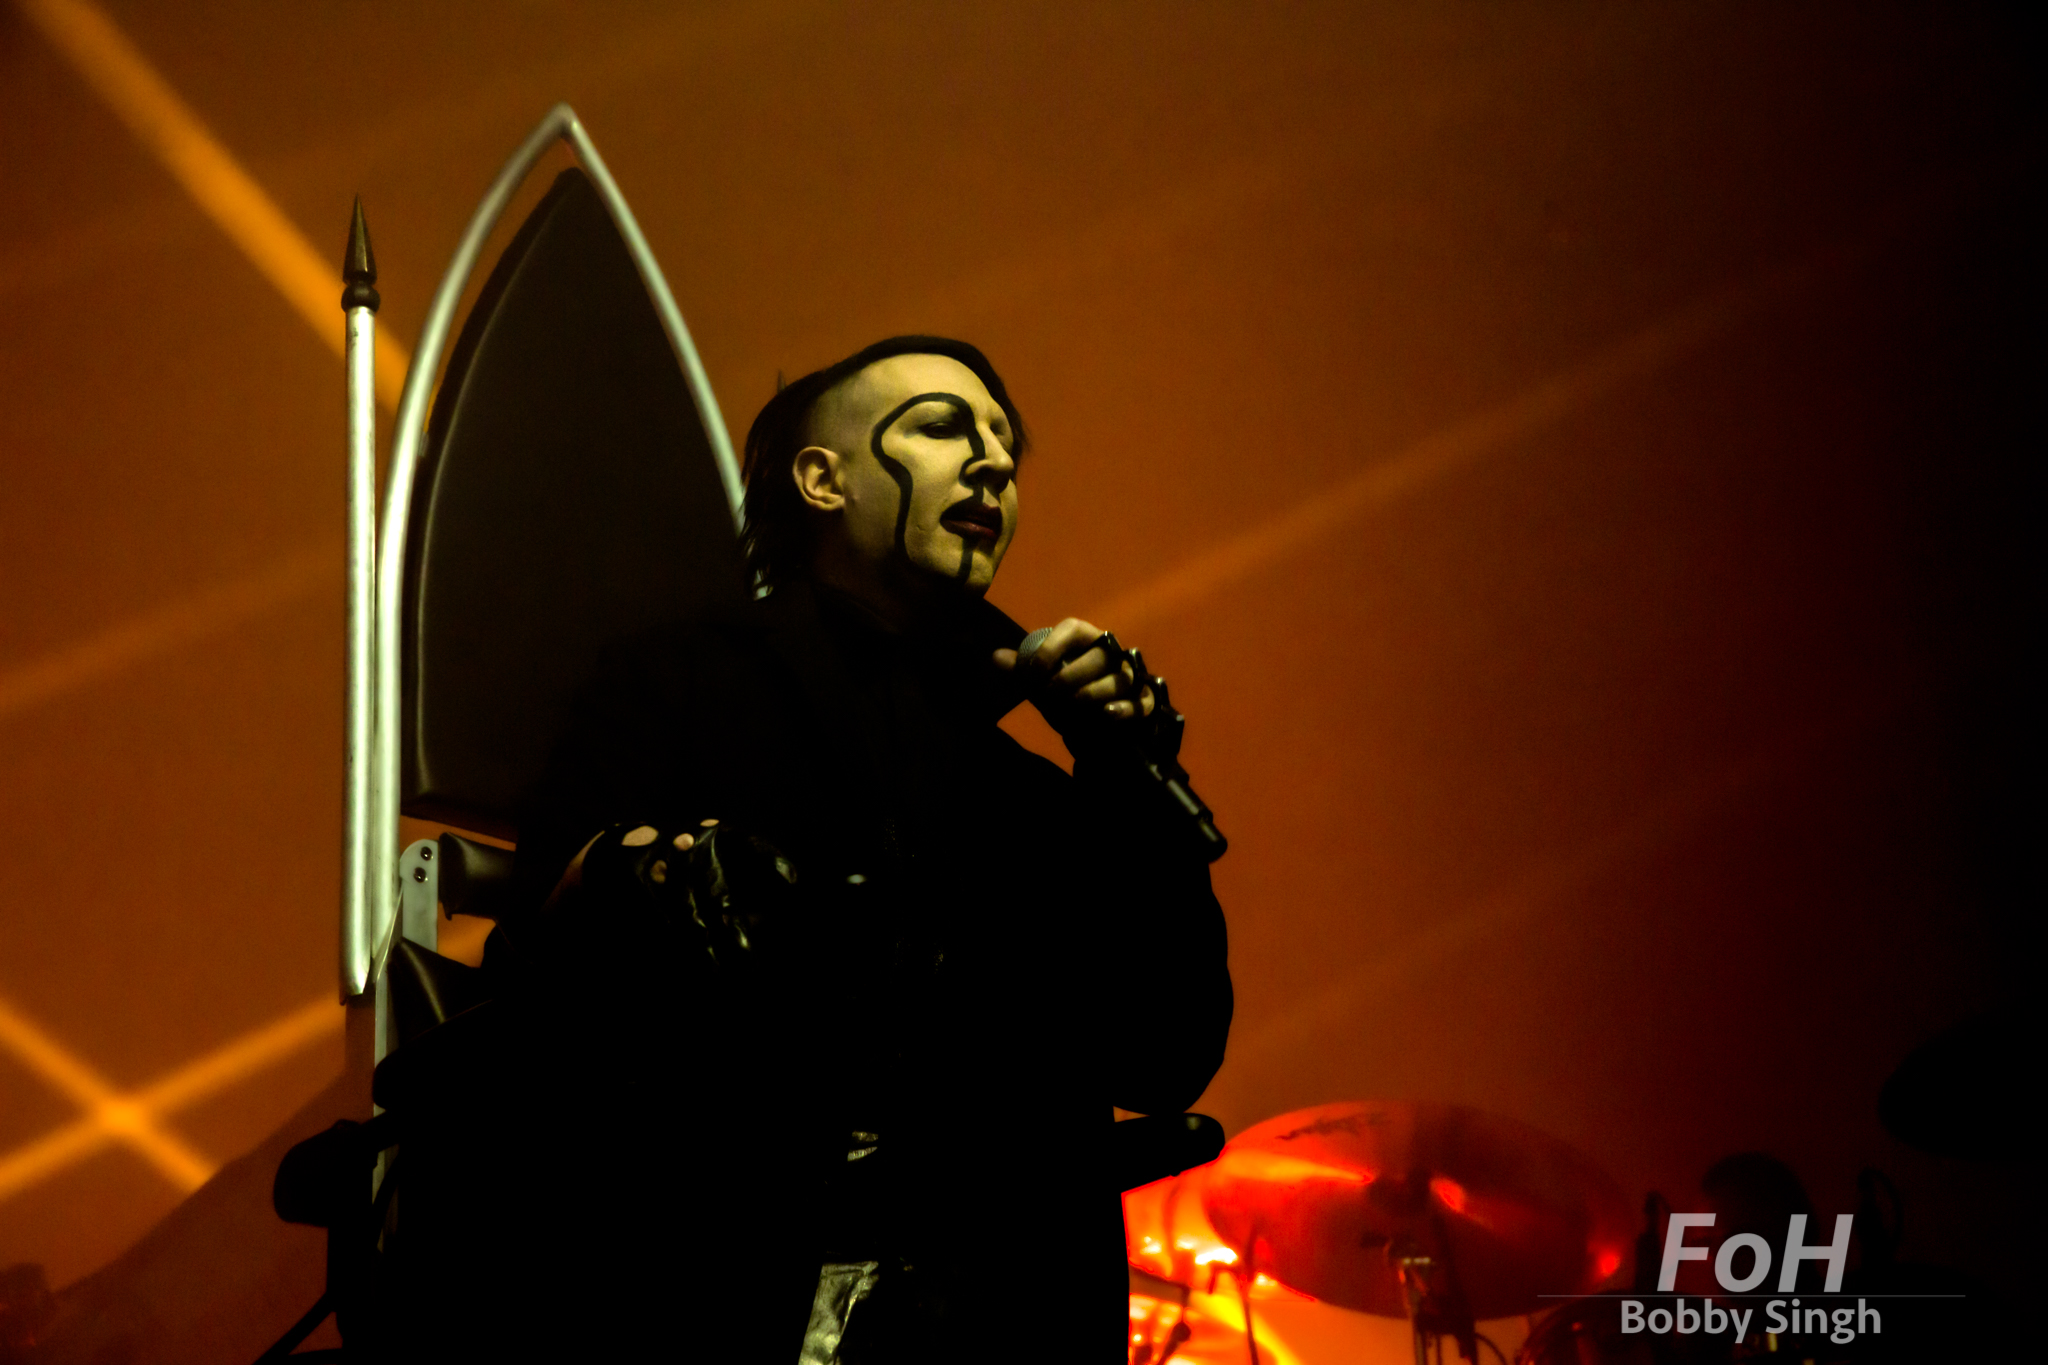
1243,1272
1433,1213
1146,1349
1429,1291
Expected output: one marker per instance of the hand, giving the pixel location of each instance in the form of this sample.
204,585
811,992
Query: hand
736,889
1083,688
638,837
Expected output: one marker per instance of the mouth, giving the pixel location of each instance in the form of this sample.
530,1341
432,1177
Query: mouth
973,519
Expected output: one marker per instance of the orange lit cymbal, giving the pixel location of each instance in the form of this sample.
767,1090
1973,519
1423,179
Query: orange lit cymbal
1170,1325
1168,1238
1167,1235
1325,1199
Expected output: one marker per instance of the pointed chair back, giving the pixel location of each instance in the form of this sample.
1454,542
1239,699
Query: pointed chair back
567,496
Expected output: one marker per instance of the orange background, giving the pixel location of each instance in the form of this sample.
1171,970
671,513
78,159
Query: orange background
1567,458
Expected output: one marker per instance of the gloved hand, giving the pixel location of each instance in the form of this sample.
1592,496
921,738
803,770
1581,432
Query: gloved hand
737,890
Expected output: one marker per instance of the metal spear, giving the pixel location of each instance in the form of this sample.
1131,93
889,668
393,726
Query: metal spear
359,304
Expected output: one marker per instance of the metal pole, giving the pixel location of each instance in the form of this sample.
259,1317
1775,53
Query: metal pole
359,305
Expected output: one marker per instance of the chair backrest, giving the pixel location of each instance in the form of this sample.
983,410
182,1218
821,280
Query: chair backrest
567,496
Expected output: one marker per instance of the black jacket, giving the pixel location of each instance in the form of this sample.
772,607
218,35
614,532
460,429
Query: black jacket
992,955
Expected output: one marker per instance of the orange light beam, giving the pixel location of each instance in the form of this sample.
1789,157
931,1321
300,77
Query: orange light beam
114,1114
1449,451
219,1069
242,1057
174,133
36,1161
211,611
179,139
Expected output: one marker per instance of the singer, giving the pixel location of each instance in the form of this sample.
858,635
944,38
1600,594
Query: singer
887,1102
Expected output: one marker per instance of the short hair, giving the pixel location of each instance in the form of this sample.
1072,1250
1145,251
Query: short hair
778,534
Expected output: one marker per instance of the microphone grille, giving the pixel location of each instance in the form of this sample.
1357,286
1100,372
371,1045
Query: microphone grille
1030,643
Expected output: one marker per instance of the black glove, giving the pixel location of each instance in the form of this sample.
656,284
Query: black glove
735,891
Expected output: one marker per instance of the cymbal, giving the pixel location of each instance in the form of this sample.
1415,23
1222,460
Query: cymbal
1166,1234
1325,1200
1168,1239
1167,1328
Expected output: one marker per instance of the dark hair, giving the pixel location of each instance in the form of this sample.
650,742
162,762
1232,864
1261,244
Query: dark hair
779,534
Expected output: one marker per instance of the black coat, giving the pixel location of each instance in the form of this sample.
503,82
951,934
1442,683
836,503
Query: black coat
994,954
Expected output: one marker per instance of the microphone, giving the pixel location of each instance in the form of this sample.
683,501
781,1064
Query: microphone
1150,744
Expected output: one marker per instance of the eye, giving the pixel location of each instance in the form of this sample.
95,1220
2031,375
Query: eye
943,429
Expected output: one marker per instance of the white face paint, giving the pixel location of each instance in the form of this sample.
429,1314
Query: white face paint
927,474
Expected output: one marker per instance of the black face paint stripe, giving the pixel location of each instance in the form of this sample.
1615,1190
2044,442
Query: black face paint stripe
900,473
895,467
976,452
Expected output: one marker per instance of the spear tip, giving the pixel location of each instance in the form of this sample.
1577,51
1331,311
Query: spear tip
359,264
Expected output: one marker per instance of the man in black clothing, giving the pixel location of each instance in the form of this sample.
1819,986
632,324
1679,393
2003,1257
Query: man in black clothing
871,975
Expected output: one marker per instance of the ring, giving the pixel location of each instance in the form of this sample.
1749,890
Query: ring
1106,642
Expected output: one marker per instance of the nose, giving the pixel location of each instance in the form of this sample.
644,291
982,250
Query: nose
994,467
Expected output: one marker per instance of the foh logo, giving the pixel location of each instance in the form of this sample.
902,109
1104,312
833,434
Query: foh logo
1840,1324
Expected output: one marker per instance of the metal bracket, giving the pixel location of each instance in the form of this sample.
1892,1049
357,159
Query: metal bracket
419,898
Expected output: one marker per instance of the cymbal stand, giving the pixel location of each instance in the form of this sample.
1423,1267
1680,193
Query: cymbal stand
1175,1339
1244,1297
1436,1308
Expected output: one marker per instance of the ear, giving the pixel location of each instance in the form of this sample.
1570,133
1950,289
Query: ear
817,473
